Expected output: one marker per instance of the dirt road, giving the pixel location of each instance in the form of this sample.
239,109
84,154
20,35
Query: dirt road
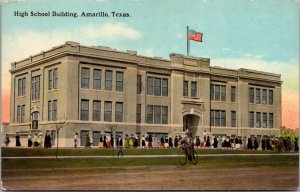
163,178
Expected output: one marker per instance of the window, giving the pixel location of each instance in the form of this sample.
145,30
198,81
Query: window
217,92
233,94
164,114
108,80
49,110
55,77
165,87
138,84
157,114
107,111
217,118
23,114
212,118
138,113
119,81
185,88
96,110
119,112
270,120
233,119
84,115
35,94
194,89
264,96
270,97
258,120
21,86
150,114
257,90
97,79
19,114
264,120
223,93
50,80
150,85
157,87
251,119
85,78
54,110
223,118
251,95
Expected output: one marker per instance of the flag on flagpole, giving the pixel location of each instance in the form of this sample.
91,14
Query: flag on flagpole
194,35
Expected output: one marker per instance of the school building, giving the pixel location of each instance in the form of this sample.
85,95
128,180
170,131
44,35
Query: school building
95,89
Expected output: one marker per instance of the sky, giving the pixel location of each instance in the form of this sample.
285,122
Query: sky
253,34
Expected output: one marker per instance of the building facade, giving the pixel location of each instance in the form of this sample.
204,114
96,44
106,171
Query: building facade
95,90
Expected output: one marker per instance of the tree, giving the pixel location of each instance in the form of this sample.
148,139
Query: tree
291,133
58,125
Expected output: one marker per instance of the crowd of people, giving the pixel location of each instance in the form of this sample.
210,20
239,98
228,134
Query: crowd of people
35,141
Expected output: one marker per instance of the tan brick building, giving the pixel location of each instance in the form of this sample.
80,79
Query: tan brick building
90,88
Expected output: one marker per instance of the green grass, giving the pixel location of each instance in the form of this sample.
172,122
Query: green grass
15,152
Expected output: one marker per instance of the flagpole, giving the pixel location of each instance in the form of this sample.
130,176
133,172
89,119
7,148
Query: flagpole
187,41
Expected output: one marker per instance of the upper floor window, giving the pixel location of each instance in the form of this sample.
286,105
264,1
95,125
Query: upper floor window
194,89
119,81
107,111
97,79
138,113
218,92
264,96
270,120
218,118
233,94
52,110
251,95
138,84
119,112
108,80
185,88
157,86
35,94
157,114
52,79
84,114
21,113
270,97
233,119
85,78
96,110
257,91
251,119
21,86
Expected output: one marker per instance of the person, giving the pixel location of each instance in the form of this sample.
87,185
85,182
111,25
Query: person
150,141
35,141
120,146
207,142
104,141
135,143
47,141
188,145
143,141
88,141
219,146
170,142
131,142
249,145
162,142
204,135
296,149
29,143
126,141
197,143
100,141
215,142
176,141
7,141
255,144
18,144
75,140
263,144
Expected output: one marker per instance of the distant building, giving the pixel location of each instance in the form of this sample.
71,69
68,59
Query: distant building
92,88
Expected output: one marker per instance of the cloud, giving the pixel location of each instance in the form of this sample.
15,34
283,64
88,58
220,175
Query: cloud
226,49
179,35
251,55
111,31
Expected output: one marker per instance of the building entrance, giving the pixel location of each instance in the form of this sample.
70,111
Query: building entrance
192,123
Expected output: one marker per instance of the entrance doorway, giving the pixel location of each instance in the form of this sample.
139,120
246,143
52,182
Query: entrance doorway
192,123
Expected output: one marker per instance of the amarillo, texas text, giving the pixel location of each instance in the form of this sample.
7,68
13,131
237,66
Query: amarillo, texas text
69,14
